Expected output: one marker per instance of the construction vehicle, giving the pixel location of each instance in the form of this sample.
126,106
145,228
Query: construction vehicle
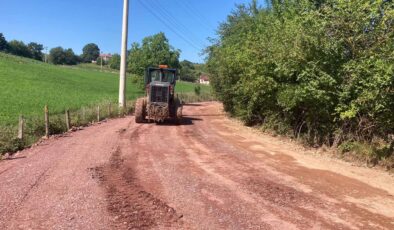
160,102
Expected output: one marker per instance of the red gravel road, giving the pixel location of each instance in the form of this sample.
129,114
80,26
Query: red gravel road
208,173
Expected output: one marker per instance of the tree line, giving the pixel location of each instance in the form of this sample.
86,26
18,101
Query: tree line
317,69
190,71
57,55
153,51
31,50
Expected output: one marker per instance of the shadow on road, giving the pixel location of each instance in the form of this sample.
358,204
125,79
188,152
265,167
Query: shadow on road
184,121
206,115
189,104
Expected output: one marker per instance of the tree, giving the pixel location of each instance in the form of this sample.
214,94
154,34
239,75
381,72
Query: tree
137,61
57,56
188,71
90,53
36,50
19,48
3,43
114,62
60,56
70,57
155,50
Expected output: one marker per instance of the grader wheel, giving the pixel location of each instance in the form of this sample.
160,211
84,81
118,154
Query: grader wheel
140,110
179,115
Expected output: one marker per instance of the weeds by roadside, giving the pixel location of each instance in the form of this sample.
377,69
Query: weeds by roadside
376,153
34,127
193,97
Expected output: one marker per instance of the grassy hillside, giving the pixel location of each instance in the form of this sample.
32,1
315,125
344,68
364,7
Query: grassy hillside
188,87
27,85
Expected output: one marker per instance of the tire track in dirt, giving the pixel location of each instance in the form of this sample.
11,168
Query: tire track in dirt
49,186
129,203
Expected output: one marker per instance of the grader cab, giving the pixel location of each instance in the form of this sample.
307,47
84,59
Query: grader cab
160,102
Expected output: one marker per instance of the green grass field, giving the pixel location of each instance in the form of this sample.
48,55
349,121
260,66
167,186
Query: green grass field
26,86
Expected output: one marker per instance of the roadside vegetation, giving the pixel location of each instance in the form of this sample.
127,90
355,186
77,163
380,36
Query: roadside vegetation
190,71
317,70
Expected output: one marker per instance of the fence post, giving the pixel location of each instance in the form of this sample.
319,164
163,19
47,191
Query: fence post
109,110
83,114
68,125
98,113
46,121
21,127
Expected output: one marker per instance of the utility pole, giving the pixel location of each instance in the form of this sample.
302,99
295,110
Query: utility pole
123,61
46,54
101,55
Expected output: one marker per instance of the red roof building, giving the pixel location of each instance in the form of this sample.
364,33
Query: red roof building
204,79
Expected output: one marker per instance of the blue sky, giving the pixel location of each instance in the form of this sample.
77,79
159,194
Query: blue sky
74,23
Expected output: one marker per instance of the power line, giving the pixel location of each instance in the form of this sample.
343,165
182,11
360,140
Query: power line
197,14
181,28
179,25
169,26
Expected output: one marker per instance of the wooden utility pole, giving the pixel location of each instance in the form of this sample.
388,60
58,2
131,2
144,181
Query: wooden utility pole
123,61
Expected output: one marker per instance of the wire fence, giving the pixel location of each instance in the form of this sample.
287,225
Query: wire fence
31,128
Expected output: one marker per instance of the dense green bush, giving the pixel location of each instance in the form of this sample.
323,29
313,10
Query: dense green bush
139,81
114,62
19,48
197,90
90,52
189,71
60,56
323,69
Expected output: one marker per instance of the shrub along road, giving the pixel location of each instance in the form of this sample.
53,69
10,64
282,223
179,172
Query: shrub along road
208,173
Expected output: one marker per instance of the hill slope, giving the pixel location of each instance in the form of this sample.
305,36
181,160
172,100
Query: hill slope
27,85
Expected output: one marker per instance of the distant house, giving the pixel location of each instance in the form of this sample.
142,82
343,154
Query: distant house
106,57
204,79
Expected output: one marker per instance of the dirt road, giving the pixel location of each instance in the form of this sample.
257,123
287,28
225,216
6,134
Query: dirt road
208,173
